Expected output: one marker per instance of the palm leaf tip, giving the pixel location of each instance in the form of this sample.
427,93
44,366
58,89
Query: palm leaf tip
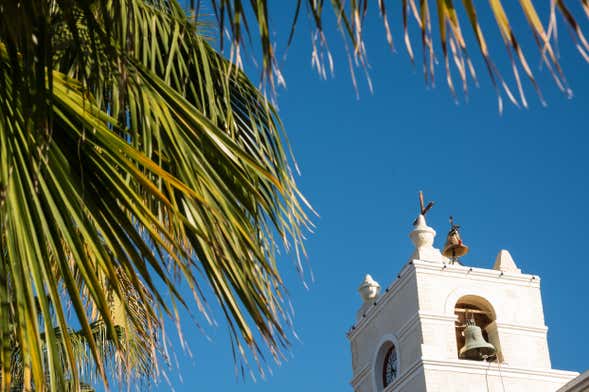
453,43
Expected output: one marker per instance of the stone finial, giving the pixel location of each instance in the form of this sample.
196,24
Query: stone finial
504,262
422,237
369,289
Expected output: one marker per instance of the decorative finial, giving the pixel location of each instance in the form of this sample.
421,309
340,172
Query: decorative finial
423,236
369,289
504,262
454,248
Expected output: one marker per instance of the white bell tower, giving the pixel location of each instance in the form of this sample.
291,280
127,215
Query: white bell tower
408,336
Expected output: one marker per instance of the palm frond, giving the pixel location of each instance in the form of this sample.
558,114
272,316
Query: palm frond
132,156
140,341
454,46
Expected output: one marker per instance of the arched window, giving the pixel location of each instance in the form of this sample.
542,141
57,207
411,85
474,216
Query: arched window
386,363
390,367
477,309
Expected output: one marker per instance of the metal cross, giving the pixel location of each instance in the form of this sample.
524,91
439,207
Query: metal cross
424,209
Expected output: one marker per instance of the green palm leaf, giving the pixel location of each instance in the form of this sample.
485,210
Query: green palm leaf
132,156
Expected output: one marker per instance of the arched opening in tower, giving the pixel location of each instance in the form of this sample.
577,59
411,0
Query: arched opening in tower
478,311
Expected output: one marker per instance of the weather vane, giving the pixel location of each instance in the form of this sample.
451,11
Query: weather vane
423,209
454,247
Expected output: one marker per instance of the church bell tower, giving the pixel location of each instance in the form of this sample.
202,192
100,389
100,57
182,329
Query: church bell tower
446,327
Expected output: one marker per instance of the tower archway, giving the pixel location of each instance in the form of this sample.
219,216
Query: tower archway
479,310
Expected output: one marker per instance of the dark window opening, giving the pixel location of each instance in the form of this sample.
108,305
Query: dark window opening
390,367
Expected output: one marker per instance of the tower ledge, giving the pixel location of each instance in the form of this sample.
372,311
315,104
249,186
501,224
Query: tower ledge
483,369
442,269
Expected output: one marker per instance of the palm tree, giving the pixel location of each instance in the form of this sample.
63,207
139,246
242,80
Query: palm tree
134,156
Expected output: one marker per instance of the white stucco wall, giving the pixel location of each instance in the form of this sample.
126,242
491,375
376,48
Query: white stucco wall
578,384
472,376
515,299
418,311
395,315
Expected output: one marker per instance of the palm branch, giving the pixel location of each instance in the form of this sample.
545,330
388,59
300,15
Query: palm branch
453,20
132,156
139,342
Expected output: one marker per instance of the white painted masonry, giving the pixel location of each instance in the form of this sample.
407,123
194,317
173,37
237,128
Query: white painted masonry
416,314
579,384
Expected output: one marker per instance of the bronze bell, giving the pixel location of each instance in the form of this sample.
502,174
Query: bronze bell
454,247
475,346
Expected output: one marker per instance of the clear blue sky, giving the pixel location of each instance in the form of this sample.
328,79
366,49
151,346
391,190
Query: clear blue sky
517,181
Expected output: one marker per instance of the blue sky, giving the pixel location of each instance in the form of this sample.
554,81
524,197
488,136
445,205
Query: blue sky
515,181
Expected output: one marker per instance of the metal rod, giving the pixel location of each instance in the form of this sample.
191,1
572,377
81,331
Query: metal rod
459,310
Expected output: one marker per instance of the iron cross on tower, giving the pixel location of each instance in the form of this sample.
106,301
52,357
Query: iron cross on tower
423,209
